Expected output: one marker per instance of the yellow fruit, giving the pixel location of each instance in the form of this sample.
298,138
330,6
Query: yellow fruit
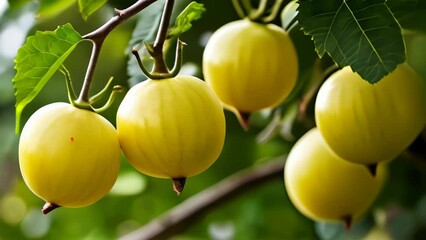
250,66
171,128
323,186
365,123
68,156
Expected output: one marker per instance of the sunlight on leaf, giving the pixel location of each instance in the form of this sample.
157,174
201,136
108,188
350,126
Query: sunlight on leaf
87,7
37,60
184,21
362,34
51,8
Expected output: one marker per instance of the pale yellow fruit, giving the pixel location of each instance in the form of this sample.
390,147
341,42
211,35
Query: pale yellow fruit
250,66
68,156
365,123
323,186
171,128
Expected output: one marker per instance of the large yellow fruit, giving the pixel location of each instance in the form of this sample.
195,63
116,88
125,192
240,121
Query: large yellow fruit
171,128
367,124
68,156
250,66
323,186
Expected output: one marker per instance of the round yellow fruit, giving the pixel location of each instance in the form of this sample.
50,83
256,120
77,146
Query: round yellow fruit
366,123
171,128
68,156
250,66
323,186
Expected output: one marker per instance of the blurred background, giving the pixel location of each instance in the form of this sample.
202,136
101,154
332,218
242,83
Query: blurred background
263,212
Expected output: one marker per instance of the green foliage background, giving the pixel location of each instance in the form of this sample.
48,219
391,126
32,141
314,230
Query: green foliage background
263,213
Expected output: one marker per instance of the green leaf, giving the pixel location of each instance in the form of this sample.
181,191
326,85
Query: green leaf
87,7
362,34
16,4
411,14
184,21
51,8
37,60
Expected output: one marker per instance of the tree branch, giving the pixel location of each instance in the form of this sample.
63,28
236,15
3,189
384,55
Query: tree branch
99,35
181,217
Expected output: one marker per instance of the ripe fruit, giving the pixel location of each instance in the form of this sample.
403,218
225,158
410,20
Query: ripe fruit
68,156
323,186
365,123
171,128
250,66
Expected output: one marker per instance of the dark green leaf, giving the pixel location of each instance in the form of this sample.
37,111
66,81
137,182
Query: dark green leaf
37,60
362,34
50,8
87,7
411,14
184,21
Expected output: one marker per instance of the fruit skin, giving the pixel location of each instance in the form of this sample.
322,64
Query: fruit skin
250,66
171,128
365,123
69,156
323,186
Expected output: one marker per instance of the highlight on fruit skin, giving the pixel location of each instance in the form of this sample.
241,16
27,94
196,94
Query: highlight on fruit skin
324,187
171,128
69,157
370,123
250,66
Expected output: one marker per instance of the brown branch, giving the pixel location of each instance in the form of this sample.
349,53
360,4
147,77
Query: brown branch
99,35
181,217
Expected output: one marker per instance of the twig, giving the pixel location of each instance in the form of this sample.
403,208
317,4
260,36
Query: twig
99,35
181,217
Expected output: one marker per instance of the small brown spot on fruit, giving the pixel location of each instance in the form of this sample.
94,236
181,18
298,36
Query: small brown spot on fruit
71,139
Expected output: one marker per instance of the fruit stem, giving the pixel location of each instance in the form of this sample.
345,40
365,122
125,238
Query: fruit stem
157,53
160,75
178,185
243,119
256,13
115,90
70,88
84,93
347,221
372,168
48,207
239,9
95,98
97,38
274,12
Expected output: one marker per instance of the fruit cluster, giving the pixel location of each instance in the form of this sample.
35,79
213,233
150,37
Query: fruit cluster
170,128
334,172
174,127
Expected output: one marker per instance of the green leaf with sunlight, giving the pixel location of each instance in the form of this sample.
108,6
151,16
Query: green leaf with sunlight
184,21
51,8
362,34
37,60
87,7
